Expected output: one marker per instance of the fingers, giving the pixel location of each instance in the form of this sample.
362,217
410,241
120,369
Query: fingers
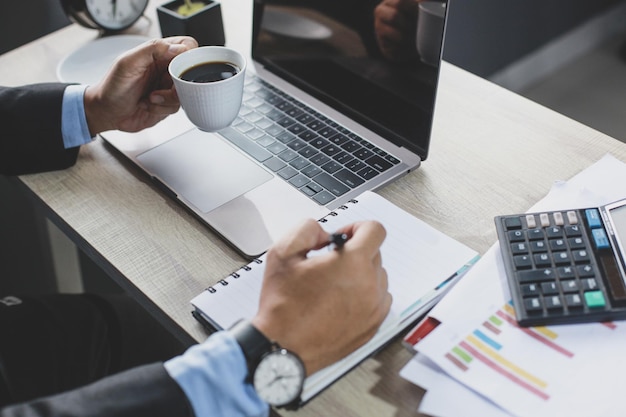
366,236
395,12
409,6
163,101
167,48
308,236
394,25
142,58
165,98
162,49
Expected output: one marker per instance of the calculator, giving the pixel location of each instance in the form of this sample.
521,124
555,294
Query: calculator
566,266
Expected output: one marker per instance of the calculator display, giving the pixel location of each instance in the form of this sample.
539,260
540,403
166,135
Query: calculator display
617,221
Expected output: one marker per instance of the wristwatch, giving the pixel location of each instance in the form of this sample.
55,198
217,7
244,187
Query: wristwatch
276,373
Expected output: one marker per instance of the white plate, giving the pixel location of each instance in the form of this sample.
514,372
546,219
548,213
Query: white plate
291,25
89,63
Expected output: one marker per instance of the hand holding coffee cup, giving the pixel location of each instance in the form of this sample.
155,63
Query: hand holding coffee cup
209,81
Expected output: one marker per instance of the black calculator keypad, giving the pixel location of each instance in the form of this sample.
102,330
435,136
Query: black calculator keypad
552,266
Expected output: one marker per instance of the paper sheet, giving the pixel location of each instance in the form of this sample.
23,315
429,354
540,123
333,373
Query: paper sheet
441,389
543,371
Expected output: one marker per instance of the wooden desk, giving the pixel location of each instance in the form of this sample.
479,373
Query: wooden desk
492,152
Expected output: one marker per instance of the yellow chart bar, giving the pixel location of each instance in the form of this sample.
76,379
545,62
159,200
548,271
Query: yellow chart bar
504,362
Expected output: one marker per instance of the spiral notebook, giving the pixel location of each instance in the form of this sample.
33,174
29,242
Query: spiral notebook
422,263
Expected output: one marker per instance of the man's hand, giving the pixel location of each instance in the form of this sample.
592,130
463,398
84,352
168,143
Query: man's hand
324,307
137,92
395,23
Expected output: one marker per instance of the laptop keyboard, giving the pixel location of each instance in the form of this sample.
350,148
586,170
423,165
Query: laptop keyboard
316,155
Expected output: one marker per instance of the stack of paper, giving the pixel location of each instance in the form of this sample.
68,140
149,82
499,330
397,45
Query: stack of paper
479,357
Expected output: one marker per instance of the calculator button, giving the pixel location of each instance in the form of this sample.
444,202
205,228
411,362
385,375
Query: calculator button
542,259
554,232
573,301
519,248
535,234
531,223
570,285
566,272
549,288
600,239
580,256
533,304
561,258
595,299
511,223
572,218
585,271
522,261
538,246
593,218
558,218
516,236
530,289
589,284
536,275
544,220
577,242
572,230
553,303
558,244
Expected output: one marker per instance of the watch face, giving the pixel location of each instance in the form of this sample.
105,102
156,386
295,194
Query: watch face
279,377
115,14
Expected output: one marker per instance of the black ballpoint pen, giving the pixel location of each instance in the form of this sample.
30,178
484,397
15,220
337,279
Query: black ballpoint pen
337,240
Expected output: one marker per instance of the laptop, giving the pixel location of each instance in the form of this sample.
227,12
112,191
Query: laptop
324,118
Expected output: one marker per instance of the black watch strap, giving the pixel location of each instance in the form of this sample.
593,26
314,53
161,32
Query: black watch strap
253,343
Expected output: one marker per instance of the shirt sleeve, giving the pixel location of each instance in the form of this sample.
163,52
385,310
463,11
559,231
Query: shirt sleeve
74,126
212,375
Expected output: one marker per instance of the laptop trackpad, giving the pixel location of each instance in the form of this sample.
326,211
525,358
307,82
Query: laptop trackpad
203,169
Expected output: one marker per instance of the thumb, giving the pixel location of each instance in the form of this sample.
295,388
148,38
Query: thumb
168,48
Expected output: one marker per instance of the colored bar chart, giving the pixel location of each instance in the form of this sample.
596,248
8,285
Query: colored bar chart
501,357
483,345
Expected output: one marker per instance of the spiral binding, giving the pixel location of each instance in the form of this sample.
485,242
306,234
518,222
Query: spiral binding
234,275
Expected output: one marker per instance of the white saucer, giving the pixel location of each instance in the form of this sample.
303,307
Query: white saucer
89,63
291,25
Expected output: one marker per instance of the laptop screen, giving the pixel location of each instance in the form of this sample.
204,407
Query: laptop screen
329,49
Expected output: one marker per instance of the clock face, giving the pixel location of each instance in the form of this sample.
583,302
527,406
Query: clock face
278,378
115,14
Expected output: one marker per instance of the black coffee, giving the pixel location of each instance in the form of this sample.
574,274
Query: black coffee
209,72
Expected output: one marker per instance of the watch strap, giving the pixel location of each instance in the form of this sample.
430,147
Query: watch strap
253,343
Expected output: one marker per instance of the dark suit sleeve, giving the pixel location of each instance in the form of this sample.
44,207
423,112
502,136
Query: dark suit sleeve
31,138
144,391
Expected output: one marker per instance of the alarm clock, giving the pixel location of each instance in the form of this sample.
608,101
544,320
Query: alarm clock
106,15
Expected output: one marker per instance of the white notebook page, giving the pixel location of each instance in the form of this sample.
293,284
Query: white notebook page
417,257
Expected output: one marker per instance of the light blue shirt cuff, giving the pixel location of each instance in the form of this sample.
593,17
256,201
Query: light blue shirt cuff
212,375
73,119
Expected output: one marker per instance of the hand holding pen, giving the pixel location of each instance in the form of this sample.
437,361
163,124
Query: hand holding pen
325,306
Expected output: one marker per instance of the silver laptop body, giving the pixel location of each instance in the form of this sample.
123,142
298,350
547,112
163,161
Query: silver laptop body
326,63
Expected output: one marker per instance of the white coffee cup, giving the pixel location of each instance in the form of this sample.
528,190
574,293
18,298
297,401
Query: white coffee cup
430,21
211,106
